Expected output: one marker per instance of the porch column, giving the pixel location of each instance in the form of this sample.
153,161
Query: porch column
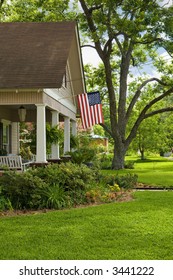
74,128
41,134
66,134
55,147
15,146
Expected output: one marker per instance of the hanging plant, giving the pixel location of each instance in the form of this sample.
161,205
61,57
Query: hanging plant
53,134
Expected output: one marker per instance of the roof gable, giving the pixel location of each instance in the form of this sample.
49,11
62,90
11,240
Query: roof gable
34,55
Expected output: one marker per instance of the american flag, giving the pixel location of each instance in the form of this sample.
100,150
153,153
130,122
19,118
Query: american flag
90,108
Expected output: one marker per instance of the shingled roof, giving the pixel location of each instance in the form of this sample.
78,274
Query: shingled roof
34,55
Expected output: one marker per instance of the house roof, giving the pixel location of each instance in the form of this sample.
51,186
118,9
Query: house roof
34,54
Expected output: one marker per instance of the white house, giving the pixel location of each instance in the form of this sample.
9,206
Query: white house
40,72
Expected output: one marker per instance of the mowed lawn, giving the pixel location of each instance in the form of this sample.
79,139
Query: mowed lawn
137,229
156,171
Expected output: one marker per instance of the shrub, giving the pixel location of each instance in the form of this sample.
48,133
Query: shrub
93,196
54,186
105,161
59,186
129,164
22,189
83,155
67,175
5,204
127,181
55,197
76,197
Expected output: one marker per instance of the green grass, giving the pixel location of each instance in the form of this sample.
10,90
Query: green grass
138,229
155,171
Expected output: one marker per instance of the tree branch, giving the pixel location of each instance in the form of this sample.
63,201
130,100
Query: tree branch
147,42
143,114
107,129
138,92
92,27
119,44
108,47
163,110
89,46
95,8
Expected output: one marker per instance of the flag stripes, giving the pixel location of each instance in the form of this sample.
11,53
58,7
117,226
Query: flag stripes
90,108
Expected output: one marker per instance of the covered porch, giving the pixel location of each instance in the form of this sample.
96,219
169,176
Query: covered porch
38,112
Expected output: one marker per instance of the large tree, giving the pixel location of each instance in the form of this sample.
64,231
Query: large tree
126,34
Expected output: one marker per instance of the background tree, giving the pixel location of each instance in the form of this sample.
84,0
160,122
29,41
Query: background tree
41,10
127,32
149,138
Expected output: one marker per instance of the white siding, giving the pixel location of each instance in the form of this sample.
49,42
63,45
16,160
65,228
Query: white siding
64,95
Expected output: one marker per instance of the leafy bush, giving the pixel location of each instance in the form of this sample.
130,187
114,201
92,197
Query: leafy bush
129,164
83,155
105,161
5,204
54,186
76,197
22,189
59,186
127,181
67,175
55,197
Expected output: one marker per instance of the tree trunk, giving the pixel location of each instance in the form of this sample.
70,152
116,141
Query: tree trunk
142,154
119,157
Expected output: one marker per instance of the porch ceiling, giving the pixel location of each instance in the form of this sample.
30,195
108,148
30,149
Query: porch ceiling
10,112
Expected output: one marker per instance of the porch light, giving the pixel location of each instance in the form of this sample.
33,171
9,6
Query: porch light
22,113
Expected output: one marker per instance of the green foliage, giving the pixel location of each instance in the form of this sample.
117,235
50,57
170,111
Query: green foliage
83,151
69,176
59,186
3,152
26,153
127,181
37,11
129,164
54,186
55,197
22,189
105,161
83,155
5,203
54,134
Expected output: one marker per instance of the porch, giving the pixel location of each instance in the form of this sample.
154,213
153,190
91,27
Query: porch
50,112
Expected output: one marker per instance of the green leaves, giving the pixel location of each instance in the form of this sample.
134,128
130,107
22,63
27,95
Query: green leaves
42,10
